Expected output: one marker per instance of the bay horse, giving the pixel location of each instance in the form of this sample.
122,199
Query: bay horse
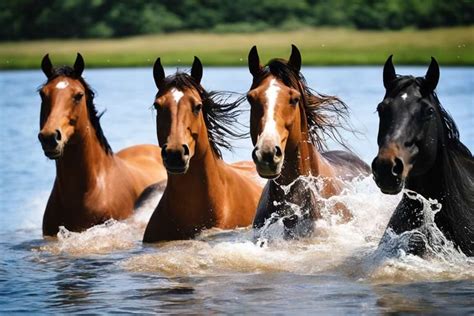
287,124
419,149
202,191
92,183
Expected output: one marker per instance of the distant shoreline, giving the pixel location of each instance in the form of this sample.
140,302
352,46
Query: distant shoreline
319,47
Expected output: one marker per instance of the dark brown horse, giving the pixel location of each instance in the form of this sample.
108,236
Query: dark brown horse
92,183
286,124
202,190
419,149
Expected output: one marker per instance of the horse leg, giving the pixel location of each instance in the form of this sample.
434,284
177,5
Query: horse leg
51,217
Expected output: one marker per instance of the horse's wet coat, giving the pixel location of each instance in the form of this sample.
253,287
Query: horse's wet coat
283,104
202,190
92,183
419,149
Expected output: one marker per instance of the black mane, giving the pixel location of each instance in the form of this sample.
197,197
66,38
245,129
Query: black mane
324,114
220,115
94,115
455,164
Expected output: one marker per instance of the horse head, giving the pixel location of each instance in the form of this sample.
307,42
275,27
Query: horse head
63,105
409,129
275,111
180,122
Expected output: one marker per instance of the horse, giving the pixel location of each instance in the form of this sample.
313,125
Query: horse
288,122
202,190
92,183
419,149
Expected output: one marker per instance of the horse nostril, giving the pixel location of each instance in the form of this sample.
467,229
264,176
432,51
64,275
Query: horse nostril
374,165
397,169
254,154
186,150
278,152
163,152
57,135
40,137
410,143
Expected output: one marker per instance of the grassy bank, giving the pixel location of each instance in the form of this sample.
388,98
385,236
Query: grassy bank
451,46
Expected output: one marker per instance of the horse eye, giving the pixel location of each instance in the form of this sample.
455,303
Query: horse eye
430,111
197,108
78,96
294,101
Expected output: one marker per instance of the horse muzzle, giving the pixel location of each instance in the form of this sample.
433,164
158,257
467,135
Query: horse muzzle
389,174
176,160
52,143
269,161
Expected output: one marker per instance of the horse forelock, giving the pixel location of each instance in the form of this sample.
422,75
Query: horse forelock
94,115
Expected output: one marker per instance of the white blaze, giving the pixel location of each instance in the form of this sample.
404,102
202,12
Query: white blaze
404,96
177,95
62,84
269,129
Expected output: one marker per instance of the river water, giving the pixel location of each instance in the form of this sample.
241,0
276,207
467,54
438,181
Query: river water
107,269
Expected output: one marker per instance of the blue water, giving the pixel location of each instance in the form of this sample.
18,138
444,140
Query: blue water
56,276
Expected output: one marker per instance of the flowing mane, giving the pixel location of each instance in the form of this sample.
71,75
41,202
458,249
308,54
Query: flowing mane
456,165
94,115
325,114
220,115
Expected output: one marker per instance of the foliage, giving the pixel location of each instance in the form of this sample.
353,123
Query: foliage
33,19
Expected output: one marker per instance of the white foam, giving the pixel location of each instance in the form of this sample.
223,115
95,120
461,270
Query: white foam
350,248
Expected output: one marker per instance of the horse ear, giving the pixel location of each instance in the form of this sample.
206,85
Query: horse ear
196,70
295,58
254,62
432,75
389,74
47,66
158,73
79,65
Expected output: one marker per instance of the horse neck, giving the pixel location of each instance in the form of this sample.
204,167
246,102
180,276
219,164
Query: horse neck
83,161
202,178
449,184
301,156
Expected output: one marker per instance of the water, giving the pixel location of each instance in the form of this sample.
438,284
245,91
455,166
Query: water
106,269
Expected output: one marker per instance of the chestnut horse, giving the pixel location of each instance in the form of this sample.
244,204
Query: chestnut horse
202,190
92,183
286,120
419,148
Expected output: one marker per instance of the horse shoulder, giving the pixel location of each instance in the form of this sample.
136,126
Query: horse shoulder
238,182
145,162
346,165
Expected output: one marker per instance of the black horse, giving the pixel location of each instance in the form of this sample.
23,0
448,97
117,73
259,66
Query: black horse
419,148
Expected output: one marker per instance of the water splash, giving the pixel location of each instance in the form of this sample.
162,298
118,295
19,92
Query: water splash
350,248
391,261
108,237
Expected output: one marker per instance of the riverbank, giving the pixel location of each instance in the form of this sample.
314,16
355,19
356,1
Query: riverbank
325,46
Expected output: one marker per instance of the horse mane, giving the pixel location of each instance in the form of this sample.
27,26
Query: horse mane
456,166
325,114
94,115
220,114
